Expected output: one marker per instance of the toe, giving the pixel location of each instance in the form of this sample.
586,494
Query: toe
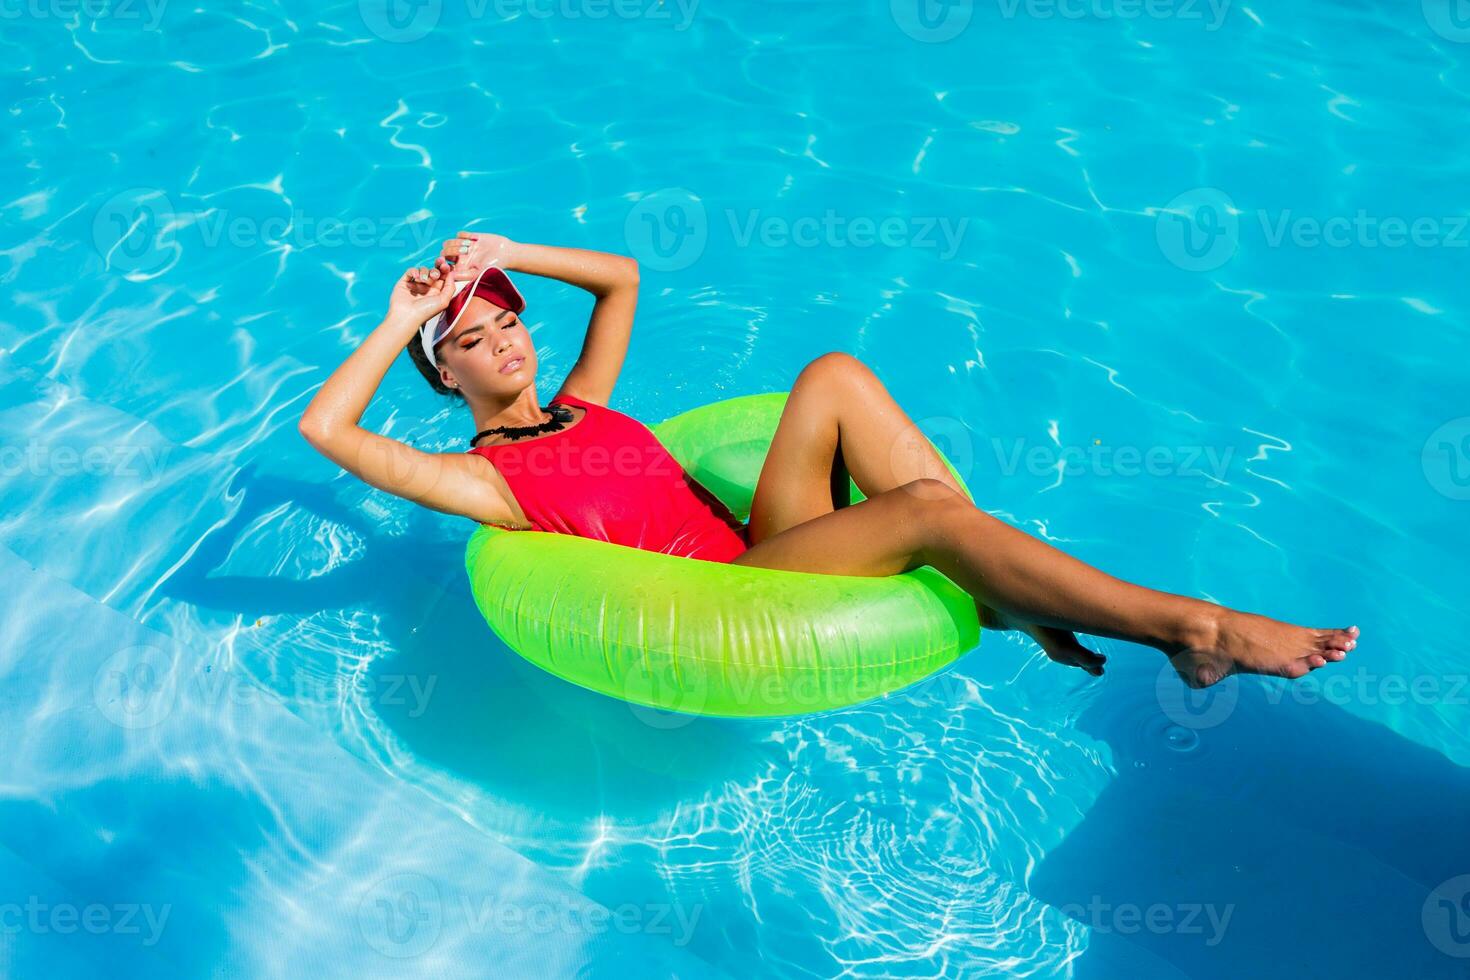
1063,647
1088,661
1295,669
1316,660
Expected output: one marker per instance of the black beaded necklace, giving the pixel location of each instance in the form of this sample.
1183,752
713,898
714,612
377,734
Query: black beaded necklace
560,416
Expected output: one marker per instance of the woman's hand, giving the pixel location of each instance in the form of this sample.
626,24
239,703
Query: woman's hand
470,252
420,294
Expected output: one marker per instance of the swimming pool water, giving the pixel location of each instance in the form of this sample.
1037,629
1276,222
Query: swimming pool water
1179,286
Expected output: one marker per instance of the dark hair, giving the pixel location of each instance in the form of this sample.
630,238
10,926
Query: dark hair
421,361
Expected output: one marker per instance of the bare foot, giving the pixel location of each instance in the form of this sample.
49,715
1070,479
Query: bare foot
1062,647
1058,644
1228,642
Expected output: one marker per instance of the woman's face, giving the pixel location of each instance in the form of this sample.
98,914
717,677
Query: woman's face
490,353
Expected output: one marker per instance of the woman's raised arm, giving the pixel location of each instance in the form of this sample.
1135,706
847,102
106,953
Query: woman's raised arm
612,279
455,483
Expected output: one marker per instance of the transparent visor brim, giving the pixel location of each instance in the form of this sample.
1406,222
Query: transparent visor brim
437,329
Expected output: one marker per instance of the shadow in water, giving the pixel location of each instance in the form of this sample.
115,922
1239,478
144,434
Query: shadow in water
470,706
161,863
1298,840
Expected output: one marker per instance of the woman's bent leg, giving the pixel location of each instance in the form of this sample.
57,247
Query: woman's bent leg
925,522
840,419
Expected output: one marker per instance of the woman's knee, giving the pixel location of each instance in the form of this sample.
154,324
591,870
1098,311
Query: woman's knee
836,367
940,513
933,491
932,509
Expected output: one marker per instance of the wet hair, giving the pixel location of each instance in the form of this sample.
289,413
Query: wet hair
431,375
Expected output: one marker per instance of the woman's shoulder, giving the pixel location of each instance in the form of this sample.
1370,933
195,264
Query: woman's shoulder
568,398
483,493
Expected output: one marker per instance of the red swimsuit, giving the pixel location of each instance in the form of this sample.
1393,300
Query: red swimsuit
607,477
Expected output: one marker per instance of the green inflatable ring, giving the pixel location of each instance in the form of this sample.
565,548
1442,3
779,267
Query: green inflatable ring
702,637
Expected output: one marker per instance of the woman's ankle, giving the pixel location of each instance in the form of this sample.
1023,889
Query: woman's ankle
1196,625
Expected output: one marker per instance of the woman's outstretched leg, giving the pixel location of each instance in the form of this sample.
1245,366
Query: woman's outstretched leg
925,523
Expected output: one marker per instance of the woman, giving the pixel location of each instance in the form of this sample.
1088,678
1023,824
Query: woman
553,468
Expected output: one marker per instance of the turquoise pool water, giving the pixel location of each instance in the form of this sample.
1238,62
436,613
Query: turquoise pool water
1180,287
